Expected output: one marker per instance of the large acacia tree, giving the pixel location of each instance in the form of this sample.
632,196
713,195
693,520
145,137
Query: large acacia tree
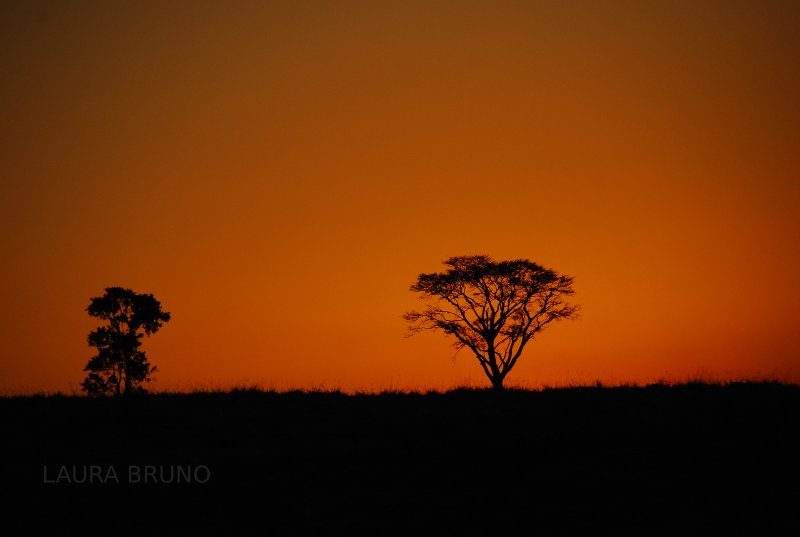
494,308
120,367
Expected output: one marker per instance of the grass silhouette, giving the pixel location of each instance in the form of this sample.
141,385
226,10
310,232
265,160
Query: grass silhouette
686,458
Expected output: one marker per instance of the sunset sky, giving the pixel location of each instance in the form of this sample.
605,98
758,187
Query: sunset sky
278,174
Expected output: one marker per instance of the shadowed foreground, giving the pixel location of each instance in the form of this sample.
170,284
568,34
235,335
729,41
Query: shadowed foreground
683,459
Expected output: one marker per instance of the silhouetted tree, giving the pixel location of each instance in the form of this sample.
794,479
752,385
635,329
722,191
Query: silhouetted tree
119,367
492,308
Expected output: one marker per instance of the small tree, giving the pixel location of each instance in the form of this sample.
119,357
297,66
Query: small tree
492,308
119,367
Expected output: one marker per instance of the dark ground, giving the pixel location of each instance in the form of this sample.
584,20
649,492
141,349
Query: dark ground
681,460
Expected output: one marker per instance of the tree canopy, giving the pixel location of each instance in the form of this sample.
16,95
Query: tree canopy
493,308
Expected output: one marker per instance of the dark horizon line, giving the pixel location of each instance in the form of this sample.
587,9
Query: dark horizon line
257,389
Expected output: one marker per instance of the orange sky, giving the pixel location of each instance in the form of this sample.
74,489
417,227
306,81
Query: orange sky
278,173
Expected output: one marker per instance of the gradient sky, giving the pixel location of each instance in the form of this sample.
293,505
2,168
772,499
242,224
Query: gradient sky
278,173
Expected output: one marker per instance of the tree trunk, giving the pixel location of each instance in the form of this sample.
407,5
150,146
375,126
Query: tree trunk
496,377
497,383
